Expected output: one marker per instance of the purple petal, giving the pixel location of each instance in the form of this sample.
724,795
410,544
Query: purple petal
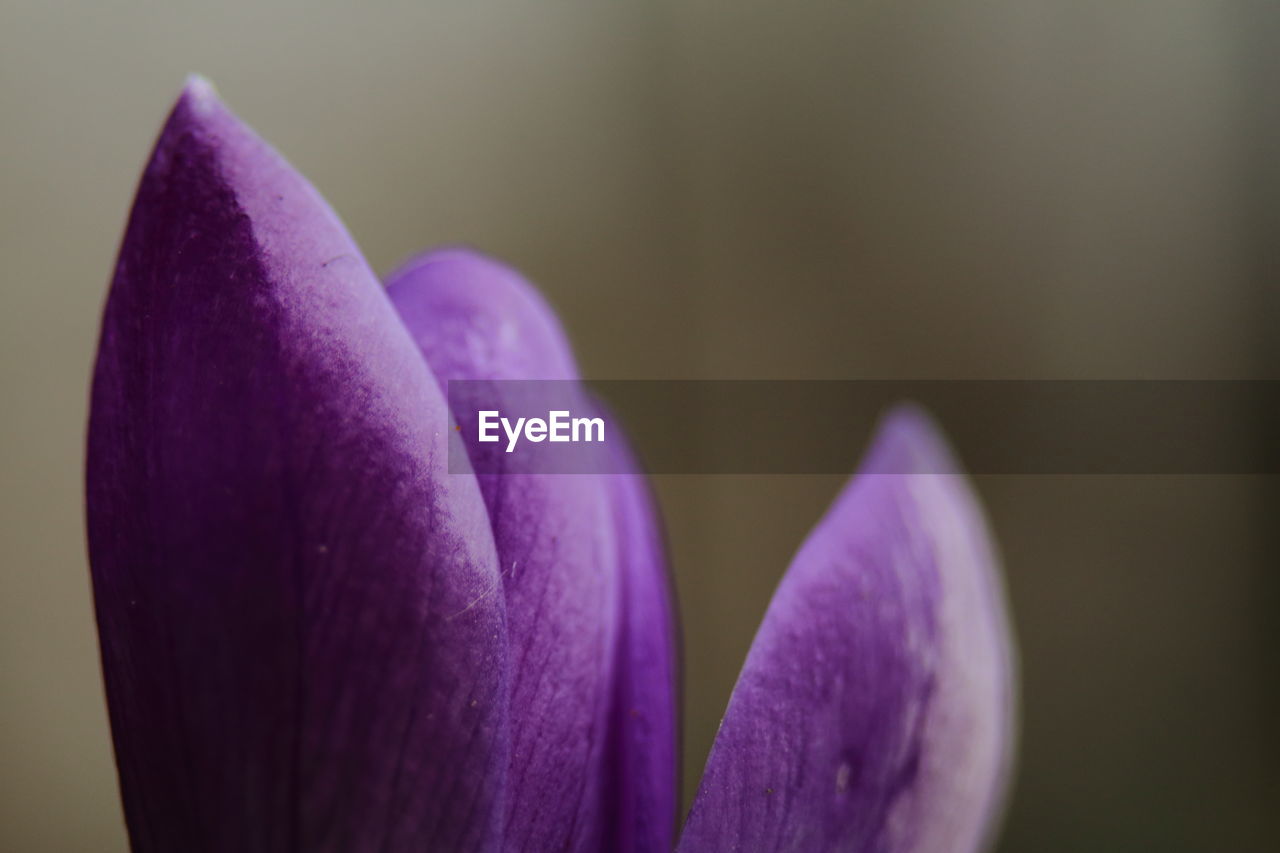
874,712
300,640
642,806
476,319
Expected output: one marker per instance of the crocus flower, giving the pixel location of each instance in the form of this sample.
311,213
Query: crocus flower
317,638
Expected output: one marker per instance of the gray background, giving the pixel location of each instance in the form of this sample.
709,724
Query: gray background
869,189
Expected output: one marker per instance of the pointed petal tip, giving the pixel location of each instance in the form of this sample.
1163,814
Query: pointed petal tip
198,90
908,440
200,119
198,104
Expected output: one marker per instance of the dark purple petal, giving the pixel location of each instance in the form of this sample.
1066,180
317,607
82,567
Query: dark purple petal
874,712
642,806
476,319
301,640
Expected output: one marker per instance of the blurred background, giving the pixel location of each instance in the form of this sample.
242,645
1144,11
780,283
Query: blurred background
870,189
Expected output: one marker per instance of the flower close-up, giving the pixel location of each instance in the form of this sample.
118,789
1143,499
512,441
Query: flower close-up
319,635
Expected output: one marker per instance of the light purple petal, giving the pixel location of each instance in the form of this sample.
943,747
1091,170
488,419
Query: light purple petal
874,709
641,810
300,641
476,319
